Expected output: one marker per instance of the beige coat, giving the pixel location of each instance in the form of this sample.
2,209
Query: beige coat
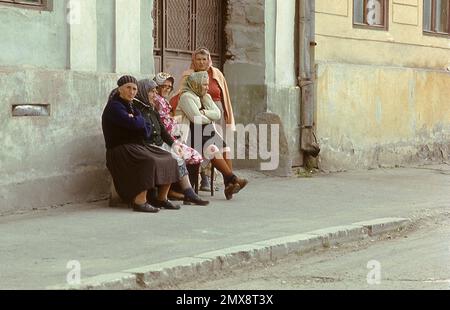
188,110
218,76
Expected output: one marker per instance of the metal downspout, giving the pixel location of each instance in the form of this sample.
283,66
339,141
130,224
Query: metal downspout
306,77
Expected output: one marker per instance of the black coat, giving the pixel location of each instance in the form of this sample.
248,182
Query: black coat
159,134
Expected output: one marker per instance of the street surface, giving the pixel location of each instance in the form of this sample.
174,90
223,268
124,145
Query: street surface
415,260
39,249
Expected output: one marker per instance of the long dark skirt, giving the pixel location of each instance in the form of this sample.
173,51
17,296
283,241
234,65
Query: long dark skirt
137,168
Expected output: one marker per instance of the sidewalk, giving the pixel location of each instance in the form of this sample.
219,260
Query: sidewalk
36,247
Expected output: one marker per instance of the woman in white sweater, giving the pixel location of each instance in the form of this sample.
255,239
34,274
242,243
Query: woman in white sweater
198,112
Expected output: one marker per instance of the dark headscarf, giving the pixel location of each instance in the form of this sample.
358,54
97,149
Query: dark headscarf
153,121
144,87
126,79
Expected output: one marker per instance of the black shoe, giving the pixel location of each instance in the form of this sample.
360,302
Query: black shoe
167,205
145,208
195,200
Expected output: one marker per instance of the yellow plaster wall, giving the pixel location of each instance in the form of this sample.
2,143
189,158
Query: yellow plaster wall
403,44
371,115
383,97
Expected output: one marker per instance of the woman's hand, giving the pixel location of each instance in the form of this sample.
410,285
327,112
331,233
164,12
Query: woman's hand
177,149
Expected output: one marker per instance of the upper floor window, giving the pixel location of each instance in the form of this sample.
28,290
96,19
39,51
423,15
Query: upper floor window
36,4
436,17
370,13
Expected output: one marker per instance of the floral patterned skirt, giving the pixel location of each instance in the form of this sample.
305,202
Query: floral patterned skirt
191,156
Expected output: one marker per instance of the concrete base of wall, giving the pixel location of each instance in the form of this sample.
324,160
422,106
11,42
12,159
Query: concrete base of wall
79,187
383,156
286,102
256,103
56,159
378,116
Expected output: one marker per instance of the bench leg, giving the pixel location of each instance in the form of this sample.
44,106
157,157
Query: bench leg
212,180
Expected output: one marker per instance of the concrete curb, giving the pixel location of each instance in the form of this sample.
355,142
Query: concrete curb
191,268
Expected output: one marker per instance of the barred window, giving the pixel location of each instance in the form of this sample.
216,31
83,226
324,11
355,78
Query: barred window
33,4
370,14
436,17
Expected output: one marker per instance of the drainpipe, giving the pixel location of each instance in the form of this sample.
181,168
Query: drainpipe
306,76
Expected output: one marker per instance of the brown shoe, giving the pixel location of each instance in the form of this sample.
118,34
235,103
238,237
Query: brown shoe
230,189
242,184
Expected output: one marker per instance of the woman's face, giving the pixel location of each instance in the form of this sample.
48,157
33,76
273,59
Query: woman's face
205,87
201,62
128,91
151,96
165,89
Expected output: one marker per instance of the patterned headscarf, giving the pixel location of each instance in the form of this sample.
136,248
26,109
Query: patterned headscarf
144,87
202,51
194,82
161,77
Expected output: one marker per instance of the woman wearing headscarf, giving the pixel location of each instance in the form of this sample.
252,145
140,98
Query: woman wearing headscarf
198,113
159,137
135,167
165,85
218,89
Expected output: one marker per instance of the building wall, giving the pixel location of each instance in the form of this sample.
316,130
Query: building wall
261,71
382,96
60,159
284,94
27,35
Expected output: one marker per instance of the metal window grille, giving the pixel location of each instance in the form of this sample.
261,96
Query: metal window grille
182,26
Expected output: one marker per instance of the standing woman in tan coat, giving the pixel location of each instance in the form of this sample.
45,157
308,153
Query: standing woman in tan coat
218,90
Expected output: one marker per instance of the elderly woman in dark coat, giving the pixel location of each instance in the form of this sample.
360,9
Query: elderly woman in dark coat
135,166
159,137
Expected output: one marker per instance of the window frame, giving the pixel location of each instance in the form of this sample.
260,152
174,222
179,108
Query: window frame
433,21
46,5
384,27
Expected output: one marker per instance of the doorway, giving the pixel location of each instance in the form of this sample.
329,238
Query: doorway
182,26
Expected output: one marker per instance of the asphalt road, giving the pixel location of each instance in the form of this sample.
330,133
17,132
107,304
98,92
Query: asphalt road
415,260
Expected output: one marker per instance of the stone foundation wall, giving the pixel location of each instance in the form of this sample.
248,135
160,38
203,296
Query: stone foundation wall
375,116
56,159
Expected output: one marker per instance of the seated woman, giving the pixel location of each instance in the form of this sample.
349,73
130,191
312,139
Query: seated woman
135,166
198,113
159,137
165,84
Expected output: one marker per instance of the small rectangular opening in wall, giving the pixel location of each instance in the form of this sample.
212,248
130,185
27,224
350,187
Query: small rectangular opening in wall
19,110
